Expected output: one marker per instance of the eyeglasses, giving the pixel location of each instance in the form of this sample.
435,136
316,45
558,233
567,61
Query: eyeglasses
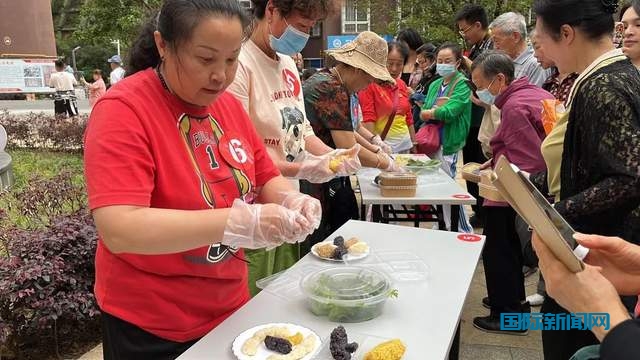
464,31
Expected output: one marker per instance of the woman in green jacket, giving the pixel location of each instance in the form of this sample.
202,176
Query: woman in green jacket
448,102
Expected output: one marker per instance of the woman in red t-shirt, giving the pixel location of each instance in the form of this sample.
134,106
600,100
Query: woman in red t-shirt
179,182
379,101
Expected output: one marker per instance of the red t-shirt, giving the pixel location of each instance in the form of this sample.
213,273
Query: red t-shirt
144,147
376,102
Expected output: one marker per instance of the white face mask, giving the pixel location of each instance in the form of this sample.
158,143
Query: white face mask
445,70
291,42
486,96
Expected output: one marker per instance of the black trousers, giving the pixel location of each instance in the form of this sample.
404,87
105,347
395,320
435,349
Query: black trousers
562,344
65,107
339,205
122,340
472,152
502,260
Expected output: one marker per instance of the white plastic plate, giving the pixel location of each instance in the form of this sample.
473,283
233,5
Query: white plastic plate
345,258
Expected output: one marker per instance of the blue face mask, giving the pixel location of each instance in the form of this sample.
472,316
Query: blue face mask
291,41
445,70
486,96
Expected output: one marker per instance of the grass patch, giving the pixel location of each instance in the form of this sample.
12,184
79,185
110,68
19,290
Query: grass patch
28,163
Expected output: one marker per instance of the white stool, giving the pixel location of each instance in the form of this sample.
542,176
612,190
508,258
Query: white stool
6,171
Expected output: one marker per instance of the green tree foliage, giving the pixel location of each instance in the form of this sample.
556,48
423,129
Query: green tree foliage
433,19
102,21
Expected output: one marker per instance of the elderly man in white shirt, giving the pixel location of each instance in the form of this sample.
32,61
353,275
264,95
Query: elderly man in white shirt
64,102
117,71
509,34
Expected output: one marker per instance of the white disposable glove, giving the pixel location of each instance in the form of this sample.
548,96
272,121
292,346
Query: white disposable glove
319,169
303,204
345,162
392,167
256,226
377,140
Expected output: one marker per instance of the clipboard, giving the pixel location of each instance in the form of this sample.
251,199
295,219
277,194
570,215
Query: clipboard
534,208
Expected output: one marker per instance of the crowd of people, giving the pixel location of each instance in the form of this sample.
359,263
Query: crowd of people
219,160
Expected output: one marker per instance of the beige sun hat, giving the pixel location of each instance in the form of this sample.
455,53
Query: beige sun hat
367,52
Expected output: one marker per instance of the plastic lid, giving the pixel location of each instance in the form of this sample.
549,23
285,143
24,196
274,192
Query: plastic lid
399,187
397,175
347,284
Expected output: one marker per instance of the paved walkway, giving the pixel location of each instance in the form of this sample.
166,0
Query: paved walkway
46,106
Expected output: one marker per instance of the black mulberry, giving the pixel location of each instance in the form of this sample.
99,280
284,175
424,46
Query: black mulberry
339,346
338,241
280,345
339,252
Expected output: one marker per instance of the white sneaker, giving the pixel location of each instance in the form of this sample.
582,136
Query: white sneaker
535,299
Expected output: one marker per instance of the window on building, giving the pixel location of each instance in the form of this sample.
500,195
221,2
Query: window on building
316,30
355,18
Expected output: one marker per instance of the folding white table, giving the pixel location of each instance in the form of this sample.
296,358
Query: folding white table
435,188
424,316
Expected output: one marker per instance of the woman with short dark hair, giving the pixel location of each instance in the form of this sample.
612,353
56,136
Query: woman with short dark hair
179,183
411,71
630,18
448,104
386,111
600,157
426,60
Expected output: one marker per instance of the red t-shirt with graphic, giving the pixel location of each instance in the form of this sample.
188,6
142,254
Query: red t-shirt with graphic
144,147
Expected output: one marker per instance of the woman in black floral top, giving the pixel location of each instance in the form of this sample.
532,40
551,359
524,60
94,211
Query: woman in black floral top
600,160
334,113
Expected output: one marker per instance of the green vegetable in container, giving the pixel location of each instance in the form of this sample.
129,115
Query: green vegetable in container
339,297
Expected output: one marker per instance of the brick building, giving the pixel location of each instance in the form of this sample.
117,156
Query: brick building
352,19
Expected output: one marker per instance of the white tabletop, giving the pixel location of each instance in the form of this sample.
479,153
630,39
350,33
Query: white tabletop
435,188
424,316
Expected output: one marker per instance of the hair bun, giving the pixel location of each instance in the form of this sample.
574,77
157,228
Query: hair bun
610,6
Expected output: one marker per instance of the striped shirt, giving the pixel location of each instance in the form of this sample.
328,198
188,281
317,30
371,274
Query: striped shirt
527,65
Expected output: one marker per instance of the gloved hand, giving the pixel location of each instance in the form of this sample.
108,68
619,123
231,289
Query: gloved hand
319,169
256,226
393,166
377,140
345,162
315,168
303,204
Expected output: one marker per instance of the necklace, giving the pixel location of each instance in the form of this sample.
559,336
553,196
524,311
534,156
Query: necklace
162,80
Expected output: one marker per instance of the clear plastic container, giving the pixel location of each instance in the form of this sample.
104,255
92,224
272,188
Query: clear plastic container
347,294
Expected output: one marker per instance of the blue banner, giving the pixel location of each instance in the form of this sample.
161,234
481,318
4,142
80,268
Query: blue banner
337,41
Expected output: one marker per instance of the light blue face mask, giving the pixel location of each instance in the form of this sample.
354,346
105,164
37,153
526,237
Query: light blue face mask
445,70
486,96
291,41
